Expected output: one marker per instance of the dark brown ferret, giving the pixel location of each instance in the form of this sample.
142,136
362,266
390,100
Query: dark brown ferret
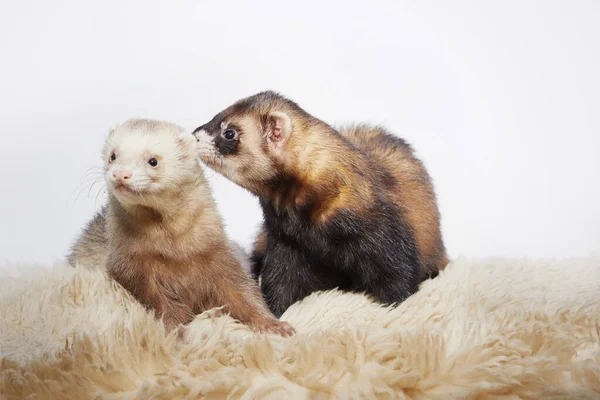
166,241
351,208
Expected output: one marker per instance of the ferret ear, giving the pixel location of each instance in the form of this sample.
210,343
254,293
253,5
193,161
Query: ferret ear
187,143
112,129
278,130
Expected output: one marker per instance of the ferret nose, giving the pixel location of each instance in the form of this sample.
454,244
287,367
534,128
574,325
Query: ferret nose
121,175
199,131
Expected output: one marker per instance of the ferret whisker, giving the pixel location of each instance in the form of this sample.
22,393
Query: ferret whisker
92,185
92,175
80,188
83,186
102,189
85,180
213,172
93,170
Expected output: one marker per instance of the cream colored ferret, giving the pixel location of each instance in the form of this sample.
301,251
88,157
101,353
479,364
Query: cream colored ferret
161,235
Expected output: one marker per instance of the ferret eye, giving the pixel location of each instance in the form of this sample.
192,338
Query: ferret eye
113,157
153,162
229,134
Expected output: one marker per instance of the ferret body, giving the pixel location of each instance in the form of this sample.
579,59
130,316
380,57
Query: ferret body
165,239
350,208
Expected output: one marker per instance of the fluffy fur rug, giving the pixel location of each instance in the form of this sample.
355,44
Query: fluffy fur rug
482,329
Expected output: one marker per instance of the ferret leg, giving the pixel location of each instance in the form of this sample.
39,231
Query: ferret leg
174,313
287,277
283,286
271,325
394,290
246,304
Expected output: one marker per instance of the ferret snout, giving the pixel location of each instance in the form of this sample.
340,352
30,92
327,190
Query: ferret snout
199,133
121,175
203,138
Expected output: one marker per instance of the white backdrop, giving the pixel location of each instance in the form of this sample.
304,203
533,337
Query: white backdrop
500,99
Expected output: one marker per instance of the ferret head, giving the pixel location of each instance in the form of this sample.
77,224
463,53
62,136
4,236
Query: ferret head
249,141
144,158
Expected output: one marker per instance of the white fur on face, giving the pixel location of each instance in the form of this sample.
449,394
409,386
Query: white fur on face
208,153
134,146
205,146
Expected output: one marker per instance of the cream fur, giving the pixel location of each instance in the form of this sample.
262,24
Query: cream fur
492,328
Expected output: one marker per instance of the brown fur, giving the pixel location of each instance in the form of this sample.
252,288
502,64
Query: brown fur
171,252
412,189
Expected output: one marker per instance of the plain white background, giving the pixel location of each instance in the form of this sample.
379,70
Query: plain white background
500,99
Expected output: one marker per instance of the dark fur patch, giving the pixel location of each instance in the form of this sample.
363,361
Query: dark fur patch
373,253
226,147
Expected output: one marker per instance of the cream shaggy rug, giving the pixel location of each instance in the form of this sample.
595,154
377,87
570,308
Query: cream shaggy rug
484,329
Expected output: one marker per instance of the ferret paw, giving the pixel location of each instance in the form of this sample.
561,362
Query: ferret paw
275,326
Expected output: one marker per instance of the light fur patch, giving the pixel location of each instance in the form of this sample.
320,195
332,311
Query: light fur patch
206,145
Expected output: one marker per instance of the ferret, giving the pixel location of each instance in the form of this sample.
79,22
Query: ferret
161,235
351,208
